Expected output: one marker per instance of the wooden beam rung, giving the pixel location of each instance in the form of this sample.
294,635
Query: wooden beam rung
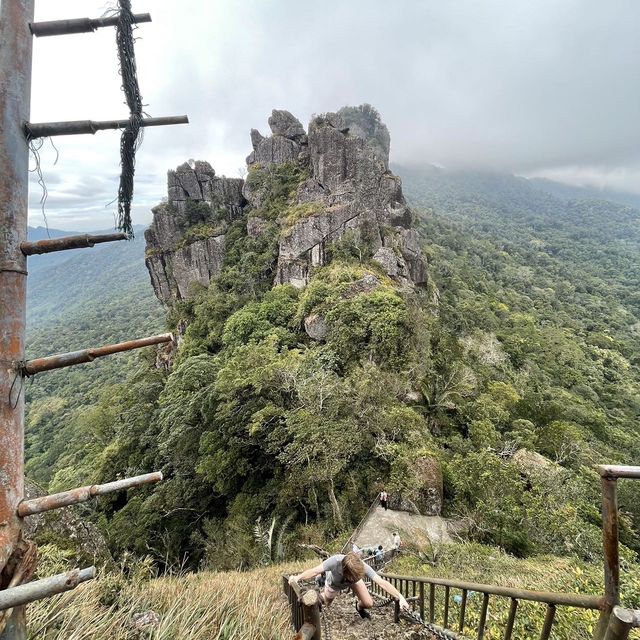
69,242
80,25
78,127
32,591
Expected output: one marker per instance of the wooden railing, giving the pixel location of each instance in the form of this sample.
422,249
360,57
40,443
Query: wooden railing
305,610
422,590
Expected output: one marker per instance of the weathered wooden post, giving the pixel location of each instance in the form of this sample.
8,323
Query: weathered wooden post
609,475
305,610
611,552
621,622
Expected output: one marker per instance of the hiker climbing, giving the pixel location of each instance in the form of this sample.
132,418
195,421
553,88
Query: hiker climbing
384,499
396,541
348,572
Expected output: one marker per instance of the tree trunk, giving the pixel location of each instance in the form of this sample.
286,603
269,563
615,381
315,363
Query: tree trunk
337,514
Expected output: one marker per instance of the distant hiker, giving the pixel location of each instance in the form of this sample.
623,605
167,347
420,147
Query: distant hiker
384,499
357,550
396,541
379,556
347,572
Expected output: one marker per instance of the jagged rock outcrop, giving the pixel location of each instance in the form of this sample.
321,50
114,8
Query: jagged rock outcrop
346,191
347,156
185,246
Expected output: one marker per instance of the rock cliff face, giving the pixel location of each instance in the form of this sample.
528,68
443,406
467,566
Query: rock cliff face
346,192
183,248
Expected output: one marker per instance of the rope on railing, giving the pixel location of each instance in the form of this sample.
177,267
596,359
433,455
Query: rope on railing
357,530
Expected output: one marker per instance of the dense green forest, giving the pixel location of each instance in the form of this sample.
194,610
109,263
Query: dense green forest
79,299
527,336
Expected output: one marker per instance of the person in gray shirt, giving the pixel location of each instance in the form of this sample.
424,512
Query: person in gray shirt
348,572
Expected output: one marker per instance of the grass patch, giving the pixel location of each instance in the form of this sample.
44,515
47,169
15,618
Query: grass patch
201,606
198,232
298,212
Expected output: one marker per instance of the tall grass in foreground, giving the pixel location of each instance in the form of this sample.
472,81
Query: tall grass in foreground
211,606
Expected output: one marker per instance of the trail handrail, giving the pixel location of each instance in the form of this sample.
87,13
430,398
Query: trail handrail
548,597
414,587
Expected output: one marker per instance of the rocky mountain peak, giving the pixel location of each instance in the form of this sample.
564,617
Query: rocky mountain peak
343,190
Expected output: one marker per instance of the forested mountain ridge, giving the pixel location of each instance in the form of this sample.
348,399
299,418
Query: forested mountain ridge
598,237
566,268
520,341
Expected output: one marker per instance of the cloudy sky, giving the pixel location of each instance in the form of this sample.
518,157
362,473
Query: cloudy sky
534,87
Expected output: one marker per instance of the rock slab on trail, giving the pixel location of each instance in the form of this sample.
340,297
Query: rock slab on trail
420,530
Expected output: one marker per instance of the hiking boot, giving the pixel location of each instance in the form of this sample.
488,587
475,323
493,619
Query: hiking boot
363,613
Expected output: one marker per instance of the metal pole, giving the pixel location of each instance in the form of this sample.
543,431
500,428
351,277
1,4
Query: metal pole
15,98
82,494
548,622
32,591
89,355
611,553
69,242
508,630
78,127
80,25
610,541
619,471
620,624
